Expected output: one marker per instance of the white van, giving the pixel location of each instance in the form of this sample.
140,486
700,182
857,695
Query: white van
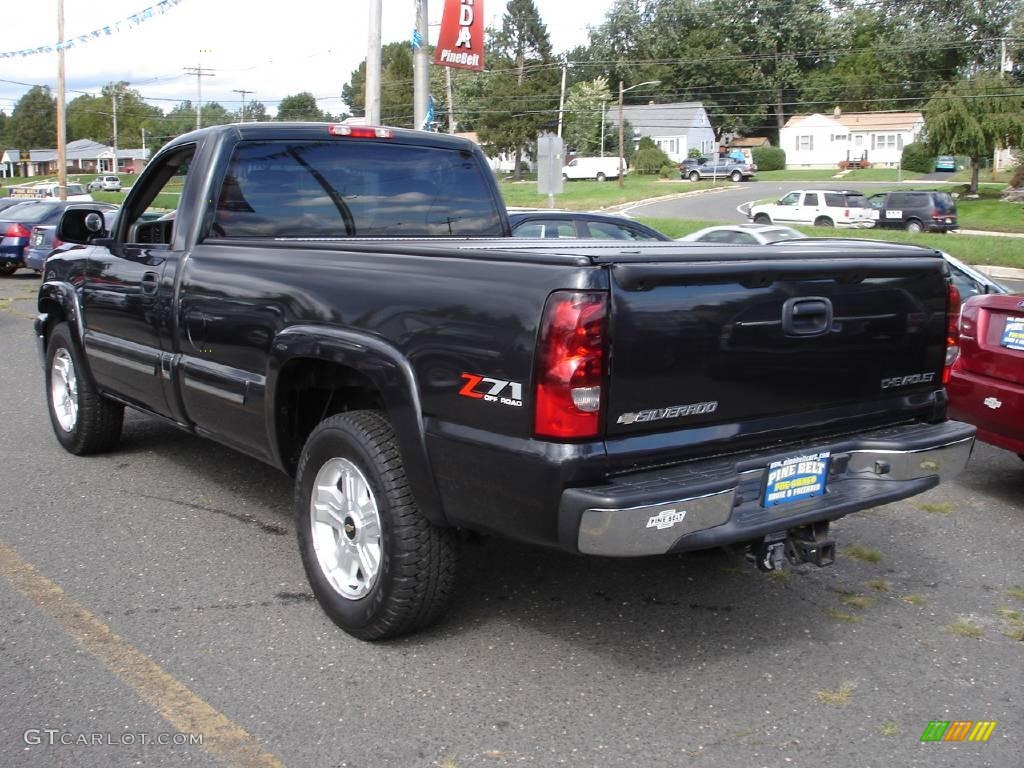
47,189
599,168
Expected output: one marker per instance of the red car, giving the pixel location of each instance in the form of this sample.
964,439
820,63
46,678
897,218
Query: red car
986,385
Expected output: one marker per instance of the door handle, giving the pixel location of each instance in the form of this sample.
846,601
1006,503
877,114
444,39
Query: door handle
150,282
807,316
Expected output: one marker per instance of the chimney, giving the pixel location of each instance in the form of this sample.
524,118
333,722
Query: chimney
837,112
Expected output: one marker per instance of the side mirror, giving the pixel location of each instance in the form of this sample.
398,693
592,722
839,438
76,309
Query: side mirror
81,226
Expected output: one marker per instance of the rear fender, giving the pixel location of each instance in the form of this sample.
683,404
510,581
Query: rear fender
394,379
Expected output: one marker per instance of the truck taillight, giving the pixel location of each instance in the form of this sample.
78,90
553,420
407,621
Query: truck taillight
570,365
952,331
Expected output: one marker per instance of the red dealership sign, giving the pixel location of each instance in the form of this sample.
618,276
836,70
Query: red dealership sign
461,42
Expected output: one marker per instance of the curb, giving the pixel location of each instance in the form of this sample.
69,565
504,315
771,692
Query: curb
1001,273
622,208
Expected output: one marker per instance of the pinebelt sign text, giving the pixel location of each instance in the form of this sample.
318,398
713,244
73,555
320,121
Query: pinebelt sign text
461,42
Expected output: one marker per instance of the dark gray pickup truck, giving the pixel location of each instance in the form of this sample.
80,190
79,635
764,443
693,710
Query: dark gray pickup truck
346,305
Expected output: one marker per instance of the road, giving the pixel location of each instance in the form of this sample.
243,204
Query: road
185,609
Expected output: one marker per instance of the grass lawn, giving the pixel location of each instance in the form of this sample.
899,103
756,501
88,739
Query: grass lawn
972,249
594,195
829,174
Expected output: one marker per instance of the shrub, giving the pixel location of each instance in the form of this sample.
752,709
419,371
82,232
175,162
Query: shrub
916,157
669,172
1017,180
694,152
650,160
769,158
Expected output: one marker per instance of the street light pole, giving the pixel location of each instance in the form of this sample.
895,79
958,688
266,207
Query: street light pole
622,123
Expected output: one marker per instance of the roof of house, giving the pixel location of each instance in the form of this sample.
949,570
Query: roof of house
751,141
660,119
866,121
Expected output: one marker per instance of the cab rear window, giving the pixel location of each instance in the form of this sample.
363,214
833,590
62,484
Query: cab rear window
353,188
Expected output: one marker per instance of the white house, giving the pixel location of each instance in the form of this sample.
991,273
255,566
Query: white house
820,141
676,128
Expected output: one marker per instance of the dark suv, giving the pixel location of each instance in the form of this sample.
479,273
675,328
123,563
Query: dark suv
915,211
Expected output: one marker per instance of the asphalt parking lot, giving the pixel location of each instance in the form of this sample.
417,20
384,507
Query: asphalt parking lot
157,591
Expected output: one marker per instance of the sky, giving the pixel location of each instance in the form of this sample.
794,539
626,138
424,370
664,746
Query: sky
272,48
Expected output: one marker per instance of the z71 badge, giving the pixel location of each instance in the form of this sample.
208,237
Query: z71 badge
492,390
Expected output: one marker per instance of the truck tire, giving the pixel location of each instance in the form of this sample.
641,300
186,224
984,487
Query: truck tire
565,177
83,420
377,566
736,176
823,221
600,176
913,226
694,176
9,268
762,218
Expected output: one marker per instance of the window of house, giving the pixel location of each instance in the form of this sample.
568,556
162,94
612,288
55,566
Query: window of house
858,140
884,141
804,143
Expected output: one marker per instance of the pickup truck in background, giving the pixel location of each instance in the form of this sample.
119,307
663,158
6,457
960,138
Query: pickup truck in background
346,305
716,167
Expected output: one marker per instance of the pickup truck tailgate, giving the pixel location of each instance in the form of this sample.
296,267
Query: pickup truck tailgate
720,342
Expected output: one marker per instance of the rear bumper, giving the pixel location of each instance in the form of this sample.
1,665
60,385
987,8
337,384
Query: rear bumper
716,502
994,405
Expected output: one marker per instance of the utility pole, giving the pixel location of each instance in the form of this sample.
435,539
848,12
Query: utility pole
200,72
561,100
241,115
144,158
451,105
372,97
421,69
604,114
113,98
62,150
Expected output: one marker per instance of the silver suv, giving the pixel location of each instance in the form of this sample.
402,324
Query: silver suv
105,184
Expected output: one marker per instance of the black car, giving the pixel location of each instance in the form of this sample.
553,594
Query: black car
573,224
915,211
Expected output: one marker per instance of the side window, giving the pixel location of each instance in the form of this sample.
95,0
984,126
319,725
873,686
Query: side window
574,163
898,200
150,221
810,199
604,230
743,238
835,201
718,236
555,228
791,199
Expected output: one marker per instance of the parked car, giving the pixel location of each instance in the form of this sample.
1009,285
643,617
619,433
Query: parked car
529,223
971,282
986,383
743,234
16,227
915,211
43,240
820,207
598,168
714,167
945,163
105,184
605,398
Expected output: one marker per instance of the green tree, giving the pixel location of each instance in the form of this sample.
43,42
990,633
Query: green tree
33,123
585,106
396,86
522,89
255,112
973,117
299,106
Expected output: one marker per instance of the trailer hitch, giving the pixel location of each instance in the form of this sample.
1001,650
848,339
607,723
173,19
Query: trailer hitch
804,544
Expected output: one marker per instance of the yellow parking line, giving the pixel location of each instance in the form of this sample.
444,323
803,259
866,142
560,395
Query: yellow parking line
174,702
